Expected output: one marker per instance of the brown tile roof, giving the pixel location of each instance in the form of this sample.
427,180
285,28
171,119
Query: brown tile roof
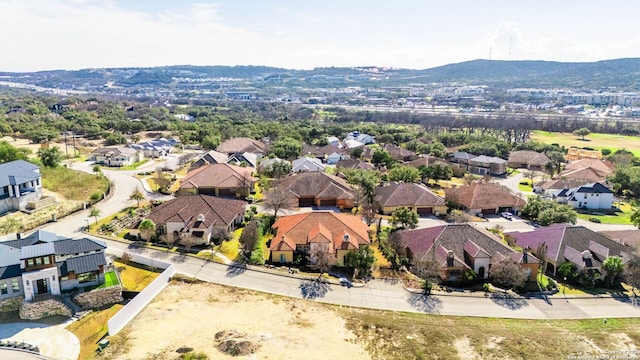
459,238
484,196
218,175
590,174
626,237
407,194
603,166
354,164
560,184
300,229
242,145
185,209
316,184
426,161
528,157
398,153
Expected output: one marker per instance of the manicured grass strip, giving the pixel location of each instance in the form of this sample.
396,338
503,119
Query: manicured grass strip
110,279
595,141
134,278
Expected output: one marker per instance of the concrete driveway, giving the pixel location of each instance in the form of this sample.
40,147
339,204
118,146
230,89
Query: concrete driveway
53,340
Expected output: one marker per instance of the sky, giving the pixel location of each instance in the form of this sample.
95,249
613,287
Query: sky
298,34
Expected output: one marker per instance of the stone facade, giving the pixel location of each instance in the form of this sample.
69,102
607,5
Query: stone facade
11,304
99,298
41,309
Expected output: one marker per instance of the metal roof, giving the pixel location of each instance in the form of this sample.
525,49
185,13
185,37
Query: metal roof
32,251
17,172
77,246
11,271
84,264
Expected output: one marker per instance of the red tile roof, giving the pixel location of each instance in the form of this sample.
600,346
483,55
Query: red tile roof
407,194
185,209
301,229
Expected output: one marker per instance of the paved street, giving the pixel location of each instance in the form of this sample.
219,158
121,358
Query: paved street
376,294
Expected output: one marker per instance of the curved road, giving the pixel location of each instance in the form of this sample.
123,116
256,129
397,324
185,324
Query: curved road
376,294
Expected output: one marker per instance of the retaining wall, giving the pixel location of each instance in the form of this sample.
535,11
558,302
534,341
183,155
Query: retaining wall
127,313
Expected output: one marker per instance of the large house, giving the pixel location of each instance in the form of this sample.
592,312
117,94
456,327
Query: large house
211,157
219,180
588,196
242,145
196,219
577,244
413,196
527,159
156,148
44,263
318,189
116,156
460,247
20,184
306,164
485,198
306,234
399,154
554,186
487,165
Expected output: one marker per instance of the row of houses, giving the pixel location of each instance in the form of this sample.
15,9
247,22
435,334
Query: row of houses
133,153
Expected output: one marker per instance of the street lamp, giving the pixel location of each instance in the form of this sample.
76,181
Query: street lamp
87,228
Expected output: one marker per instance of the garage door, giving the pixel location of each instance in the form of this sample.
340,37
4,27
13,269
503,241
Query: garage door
425,211
207,191
489,211
306,202
328,202
227,192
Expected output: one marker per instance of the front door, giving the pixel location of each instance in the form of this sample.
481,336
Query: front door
41,286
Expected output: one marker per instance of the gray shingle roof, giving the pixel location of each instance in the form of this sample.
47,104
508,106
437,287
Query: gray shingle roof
82,264
11,271
17,172
76,246
32,251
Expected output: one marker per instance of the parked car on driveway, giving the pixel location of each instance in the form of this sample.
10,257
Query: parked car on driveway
506,215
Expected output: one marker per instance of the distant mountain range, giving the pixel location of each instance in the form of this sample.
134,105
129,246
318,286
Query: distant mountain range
619,74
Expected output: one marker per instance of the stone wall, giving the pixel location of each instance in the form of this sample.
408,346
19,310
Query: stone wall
41,309
99,298
11,304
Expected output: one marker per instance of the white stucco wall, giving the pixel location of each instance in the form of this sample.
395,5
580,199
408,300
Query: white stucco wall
29,282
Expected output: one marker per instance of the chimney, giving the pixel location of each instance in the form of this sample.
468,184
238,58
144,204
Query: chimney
201,217
450,258
18,236
345,238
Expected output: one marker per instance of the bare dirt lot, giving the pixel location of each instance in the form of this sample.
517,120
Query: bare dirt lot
188,316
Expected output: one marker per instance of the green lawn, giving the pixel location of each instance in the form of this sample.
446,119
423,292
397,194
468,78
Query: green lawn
110,279
596,141
622,217
525,188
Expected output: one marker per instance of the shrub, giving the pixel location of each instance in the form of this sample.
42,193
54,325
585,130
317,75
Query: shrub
257,256
595,220
486,287
605,152
551,284
254,209
96,196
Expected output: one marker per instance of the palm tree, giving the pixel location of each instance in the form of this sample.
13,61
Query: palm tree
147,227
614,266
137,195
95,212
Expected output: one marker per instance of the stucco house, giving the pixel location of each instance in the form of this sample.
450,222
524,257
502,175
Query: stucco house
220,180
246,158
487,165
44,263
318,189
577,244
354,164
399,154
156,148
307,164
416,197
20,184
589,196
486,199
305,234
554,186
460,247
527,159
116,156
242,145
197,219
211,157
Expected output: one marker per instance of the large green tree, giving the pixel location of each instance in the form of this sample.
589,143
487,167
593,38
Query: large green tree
404,217
286,148
405,174
547,212
507,273
582,132
361,260
51,156
9,152
614,267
